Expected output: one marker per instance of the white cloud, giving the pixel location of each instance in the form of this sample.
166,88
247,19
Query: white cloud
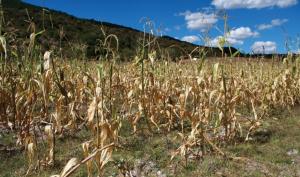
252,4
231,41
190,39
214,42
242,33
199,20
265,47
274,23
234,41
236,36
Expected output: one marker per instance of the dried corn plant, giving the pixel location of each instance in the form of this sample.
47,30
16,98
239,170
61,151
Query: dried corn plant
208,104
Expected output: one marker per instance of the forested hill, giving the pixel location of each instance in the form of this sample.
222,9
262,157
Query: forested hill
74,34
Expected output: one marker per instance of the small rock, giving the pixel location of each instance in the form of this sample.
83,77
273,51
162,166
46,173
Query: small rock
160,174
292,152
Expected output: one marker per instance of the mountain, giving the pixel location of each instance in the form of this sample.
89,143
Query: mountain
75,35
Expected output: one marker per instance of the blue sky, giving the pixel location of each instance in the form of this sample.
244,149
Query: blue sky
255,25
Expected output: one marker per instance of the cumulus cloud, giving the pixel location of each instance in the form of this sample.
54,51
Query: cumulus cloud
265,47
236,36
242,33
231,41
190,39
274,23
199,20
252,4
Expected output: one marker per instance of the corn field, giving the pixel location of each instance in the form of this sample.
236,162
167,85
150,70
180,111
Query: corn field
208,103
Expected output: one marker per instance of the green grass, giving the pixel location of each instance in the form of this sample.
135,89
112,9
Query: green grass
263,159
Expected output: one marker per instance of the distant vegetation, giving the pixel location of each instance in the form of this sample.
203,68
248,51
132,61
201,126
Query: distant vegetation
74,34
61,113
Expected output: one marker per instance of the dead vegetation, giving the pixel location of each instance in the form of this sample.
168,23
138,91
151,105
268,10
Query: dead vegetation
205,105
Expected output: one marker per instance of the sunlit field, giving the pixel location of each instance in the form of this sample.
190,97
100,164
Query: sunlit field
203,105
152,115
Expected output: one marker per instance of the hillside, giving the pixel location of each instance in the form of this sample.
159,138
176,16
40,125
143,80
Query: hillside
75,33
